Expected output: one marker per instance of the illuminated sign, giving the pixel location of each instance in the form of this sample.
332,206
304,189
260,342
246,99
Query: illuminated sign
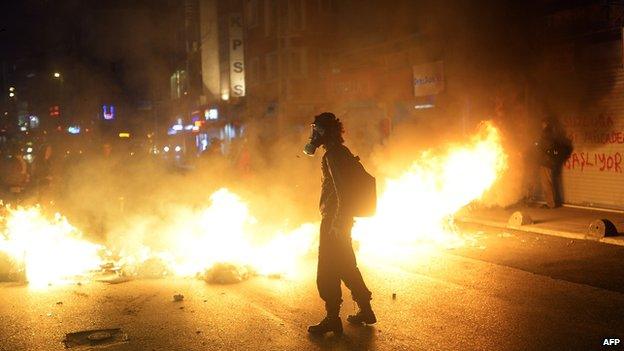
108,112
211,114
124,135
55,111
33,121
73,129
428,78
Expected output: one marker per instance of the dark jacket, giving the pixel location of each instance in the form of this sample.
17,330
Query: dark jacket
336,166
547,150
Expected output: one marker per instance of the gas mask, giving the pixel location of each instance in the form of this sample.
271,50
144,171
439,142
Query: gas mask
316,140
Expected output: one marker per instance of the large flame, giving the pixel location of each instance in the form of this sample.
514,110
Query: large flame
223,232
47,250
415,211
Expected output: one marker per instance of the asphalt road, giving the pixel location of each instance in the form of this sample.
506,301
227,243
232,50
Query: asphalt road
506,291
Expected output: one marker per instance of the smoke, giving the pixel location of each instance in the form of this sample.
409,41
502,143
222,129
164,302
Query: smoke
493,71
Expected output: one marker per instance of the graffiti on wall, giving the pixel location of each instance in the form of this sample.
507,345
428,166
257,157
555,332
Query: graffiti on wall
603,162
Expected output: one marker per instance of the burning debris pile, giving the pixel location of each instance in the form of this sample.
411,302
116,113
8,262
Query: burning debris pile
46,250
221,243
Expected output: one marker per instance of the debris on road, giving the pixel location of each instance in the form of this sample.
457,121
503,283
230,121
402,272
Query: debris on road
178,297
226,273
152,268
98,337
115,279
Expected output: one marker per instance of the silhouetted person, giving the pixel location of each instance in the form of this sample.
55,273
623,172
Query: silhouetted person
336,259
548,158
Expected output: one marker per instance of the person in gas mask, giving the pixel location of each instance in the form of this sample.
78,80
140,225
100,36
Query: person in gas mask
336,259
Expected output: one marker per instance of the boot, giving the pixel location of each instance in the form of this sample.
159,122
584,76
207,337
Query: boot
329,324
364,316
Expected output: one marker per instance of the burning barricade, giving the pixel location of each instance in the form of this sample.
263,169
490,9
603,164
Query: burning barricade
220,242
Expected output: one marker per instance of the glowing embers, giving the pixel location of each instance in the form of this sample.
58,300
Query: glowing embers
49,251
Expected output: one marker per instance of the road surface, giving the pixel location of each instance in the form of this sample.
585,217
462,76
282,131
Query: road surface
505,291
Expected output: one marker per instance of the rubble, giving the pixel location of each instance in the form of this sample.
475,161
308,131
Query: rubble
178,297
226,273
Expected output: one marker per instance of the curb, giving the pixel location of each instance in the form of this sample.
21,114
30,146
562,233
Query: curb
530,228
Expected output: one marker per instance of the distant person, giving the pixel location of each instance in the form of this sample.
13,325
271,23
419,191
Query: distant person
336,260
550,156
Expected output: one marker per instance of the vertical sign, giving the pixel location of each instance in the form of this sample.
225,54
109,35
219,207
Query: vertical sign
237,57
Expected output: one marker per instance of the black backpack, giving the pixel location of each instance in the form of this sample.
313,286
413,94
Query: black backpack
362,191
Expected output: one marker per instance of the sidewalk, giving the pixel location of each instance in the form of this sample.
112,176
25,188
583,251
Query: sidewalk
568,222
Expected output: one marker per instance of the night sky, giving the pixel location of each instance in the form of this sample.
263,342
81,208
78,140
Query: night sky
130,45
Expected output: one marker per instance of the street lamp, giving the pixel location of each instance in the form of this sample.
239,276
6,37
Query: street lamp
57,75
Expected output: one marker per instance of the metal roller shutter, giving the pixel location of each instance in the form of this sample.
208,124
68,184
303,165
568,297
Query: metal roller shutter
594,173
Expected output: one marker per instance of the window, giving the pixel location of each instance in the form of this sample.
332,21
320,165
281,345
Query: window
272,70
270,17
178,84
296,14
254,71
297,63
251,13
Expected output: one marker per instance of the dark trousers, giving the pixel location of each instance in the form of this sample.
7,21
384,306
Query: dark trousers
548,185
336,263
